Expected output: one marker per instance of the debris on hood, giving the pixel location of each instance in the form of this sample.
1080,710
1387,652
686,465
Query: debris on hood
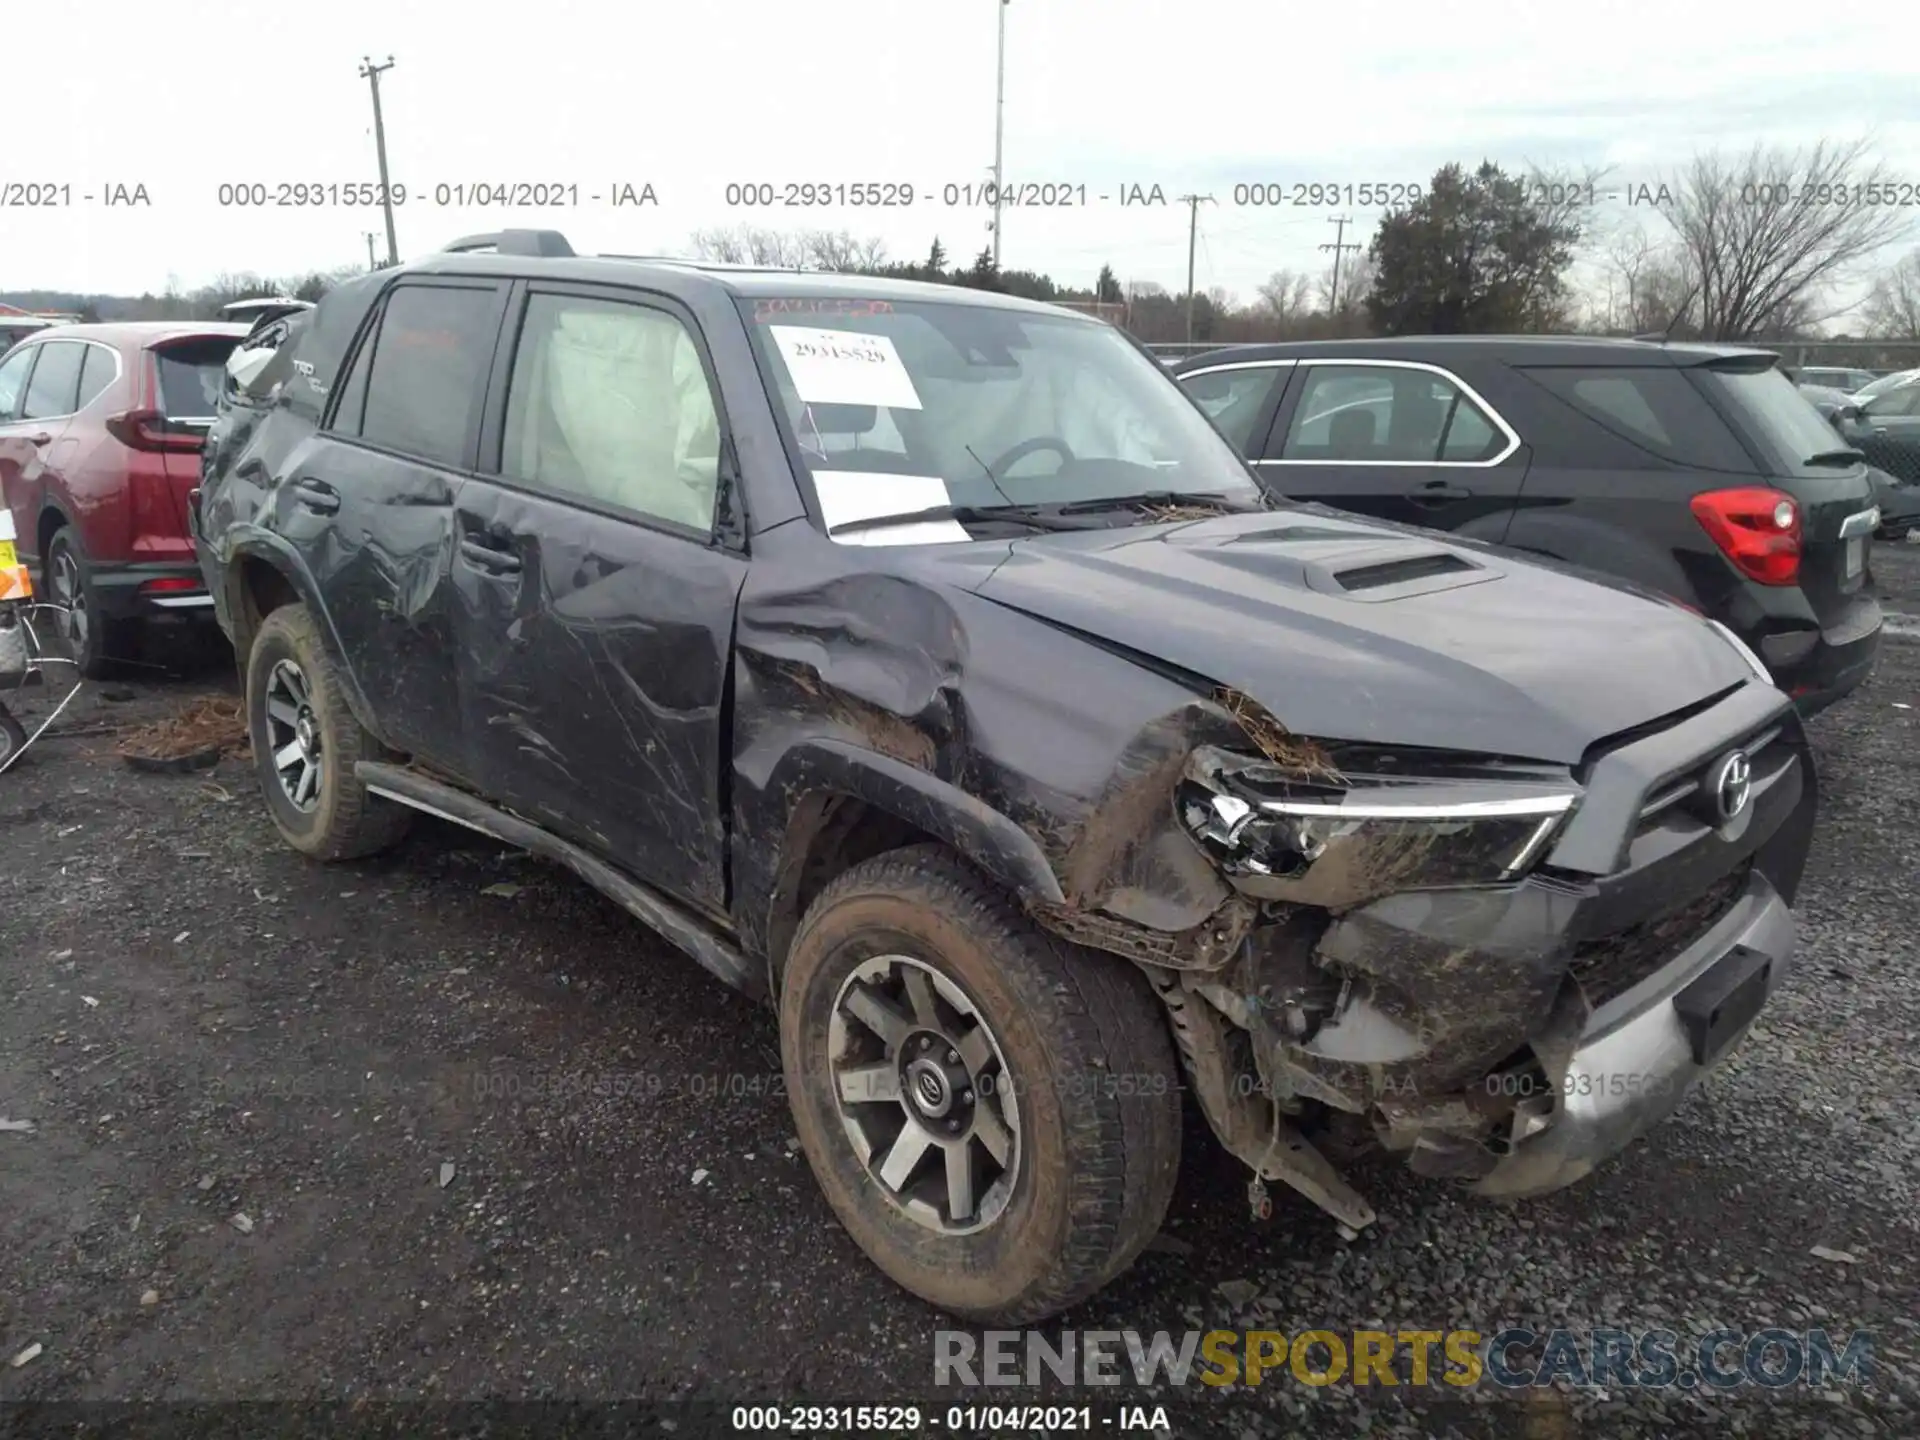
1273,739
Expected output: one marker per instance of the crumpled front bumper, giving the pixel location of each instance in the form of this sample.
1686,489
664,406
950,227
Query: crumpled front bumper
1637,1057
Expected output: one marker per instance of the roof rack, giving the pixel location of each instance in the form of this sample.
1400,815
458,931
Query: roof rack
550,243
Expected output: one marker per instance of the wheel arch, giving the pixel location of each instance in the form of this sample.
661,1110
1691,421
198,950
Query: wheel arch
260,575
846,804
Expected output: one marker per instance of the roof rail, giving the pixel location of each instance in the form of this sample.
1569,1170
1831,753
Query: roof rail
513,242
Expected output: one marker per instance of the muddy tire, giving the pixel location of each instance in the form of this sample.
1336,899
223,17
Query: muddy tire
913,985
306,742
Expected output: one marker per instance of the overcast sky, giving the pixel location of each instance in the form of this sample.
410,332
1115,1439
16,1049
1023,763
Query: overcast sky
1199,95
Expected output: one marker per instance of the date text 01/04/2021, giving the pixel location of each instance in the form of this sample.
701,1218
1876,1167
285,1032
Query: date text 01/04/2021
479,194
900,194
955,1419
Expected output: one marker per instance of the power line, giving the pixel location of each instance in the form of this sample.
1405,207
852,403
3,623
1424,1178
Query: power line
999,130
1340,245
1192,202
371,73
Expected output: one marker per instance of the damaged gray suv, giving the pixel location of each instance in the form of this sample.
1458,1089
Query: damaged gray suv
924,661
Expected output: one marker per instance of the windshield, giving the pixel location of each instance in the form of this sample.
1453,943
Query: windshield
901,407
1777,416
1885,382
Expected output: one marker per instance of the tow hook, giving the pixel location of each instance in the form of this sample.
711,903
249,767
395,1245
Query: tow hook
1259,1200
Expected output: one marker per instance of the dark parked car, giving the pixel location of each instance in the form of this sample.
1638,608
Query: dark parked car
1694,470
100,435
1886,429
922,660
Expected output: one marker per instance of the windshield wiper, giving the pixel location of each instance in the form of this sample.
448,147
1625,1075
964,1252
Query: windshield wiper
1835,457
1153,499
965,515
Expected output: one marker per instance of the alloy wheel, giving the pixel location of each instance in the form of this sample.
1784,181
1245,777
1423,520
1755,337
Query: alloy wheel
293,735
71,595
924,1095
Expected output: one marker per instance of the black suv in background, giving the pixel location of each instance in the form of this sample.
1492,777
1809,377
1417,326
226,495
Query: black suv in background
923,660
1696,470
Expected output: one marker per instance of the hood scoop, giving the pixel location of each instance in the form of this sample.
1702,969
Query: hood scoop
1396,571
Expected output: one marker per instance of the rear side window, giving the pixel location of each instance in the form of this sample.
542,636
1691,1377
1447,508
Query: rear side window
429,367
97,372
56,381
1656,407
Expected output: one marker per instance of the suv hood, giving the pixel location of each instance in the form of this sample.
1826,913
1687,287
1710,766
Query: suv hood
1380,635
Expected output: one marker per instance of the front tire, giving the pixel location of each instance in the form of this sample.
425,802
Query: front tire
993,1114
306,743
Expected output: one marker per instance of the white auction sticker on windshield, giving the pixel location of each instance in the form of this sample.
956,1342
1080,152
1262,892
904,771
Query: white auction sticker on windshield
850,495
845,367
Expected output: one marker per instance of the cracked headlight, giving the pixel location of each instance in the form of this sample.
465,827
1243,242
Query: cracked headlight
1338,842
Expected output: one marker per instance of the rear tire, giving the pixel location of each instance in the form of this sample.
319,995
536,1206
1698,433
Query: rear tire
1060,1059
306,743
93,641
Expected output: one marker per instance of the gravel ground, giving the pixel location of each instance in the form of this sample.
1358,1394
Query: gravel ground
489,1138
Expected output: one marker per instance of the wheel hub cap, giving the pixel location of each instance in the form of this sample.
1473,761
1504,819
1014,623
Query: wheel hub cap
293,736
920,1084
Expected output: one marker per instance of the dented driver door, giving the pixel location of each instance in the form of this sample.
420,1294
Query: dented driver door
596,604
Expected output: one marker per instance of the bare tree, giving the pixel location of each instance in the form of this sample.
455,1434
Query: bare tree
1892,309
750,245
1565,197
1768,236
1285,295
1646,282
839,250
1346,313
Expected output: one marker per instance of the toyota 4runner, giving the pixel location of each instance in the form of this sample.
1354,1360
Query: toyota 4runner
926,662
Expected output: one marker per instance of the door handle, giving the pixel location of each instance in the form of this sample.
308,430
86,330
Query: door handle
489,555
1441,490
318,497
41,439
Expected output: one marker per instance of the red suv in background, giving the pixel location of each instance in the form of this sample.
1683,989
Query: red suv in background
101,428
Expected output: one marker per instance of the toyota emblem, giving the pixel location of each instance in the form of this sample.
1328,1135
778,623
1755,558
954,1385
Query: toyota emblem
1731,786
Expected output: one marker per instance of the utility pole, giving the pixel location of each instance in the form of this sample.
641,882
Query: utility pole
1192,202
372,264
999,130
1339,246
371,73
